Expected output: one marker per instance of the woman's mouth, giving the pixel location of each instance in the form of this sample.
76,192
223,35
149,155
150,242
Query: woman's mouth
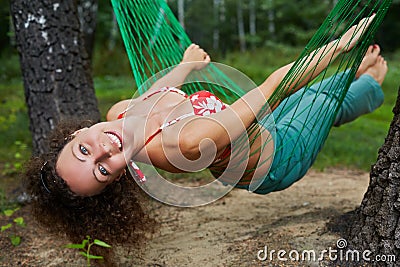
115,139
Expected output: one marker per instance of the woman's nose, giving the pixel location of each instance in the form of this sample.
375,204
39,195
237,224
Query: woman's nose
105,152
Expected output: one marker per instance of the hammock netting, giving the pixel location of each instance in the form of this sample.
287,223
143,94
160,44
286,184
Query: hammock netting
155,41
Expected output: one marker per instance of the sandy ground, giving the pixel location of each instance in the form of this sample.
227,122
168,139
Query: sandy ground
228,232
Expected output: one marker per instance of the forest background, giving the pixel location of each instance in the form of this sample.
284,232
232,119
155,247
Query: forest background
254,36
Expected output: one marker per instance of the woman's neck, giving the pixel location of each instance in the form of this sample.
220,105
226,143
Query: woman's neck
145,118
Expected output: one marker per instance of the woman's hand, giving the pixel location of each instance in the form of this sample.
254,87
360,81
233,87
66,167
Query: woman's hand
351,37
196,56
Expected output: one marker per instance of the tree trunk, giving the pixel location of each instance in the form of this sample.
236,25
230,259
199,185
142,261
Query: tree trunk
112,40
240,23
87,11
216,6
181,12
271,20
376,225
55,65
222,20
252,22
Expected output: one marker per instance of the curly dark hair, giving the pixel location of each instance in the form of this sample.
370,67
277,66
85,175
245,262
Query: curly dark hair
116,215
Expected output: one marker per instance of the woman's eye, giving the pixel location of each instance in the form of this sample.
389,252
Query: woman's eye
83,150
103,171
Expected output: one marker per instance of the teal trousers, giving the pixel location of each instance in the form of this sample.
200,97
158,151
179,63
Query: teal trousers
303,121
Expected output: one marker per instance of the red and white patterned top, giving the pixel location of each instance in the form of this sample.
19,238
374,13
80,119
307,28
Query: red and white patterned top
204,103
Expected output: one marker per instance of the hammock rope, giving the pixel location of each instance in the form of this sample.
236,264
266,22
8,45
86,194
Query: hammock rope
155,40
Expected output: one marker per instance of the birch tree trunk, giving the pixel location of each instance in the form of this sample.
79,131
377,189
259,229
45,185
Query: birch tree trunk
181,12
112,40
222,20
216,7
271,19
55,66
252,21
240,22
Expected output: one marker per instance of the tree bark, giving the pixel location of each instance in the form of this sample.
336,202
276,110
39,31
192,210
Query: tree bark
376,225
55,66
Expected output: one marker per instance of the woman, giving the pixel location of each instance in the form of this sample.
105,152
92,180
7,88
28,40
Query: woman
83,182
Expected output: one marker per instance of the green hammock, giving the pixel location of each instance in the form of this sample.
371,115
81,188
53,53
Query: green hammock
155,40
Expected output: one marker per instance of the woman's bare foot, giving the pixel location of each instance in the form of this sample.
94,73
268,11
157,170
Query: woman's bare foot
369,59
378,70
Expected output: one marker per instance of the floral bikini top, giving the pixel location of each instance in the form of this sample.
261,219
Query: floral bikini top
204,103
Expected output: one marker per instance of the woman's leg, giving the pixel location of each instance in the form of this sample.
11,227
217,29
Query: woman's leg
365,93
364,96
325,86
337,81
300,134
302,130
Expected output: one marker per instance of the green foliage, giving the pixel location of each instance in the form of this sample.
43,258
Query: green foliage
203,17
111,62
3,201
15,239
294,27
10,68
85,247
110,90
387,35
291,27
11,104
5,227
5,204
14,125
16,165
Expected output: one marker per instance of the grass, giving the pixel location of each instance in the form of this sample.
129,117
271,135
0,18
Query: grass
13,120
353,145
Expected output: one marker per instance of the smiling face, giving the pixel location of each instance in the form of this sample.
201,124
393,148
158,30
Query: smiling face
93,159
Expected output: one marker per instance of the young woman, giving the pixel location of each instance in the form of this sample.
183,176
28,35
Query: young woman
81,187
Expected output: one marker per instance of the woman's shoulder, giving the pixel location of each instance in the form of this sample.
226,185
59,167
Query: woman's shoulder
117,109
